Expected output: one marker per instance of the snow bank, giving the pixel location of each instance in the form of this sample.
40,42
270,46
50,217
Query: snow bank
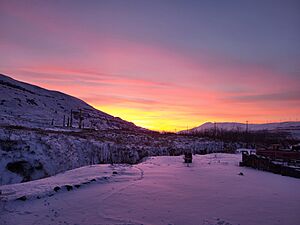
68,180
29,153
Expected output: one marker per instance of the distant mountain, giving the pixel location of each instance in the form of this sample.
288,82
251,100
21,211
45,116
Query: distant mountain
32,106
291,127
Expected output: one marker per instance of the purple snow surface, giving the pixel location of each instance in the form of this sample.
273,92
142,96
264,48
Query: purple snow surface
161,191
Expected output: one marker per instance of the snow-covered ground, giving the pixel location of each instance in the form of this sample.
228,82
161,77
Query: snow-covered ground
161,190
28,154
71,179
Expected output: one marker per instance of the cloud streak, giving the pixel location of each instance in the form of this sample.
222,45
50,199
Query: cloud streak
162,73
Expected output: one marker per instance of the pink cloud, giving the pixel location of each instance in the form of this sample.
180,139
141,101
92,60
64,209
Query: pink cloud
115,72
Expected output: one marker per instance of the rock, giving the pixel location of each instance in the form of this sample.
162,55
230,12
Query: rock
56,189
115,172
23,198
22,168
77,185
69,187
241,174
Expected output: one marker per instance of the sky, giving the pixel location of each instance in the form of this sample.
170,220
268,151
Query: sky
164,65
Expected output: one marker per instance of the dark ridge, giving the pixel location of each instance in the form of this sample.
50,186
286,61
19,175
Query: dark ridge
16,87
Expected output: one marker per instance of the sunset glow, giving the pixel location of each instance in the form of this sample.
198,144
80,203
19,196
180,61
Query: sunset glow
162,71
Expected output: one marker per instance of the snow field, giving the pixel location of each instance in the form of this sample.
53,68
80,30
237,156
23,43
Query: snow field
164,190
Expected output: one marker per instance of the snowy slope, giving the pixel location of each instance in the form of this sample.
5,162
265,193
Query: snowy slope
75,178
28,105
162,191
29,153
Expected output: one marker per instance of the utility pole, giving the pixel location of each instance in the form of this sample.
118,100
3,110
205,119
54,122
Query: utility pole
71,118
80,118
215,129
247,136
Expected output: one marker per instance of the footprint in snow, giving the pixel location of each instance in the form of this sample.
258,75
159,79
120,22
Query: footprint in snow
217,221
24,213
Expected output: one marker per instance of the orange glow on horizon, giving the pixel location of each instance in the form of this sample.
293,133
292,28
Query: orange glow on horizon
167,91
153,120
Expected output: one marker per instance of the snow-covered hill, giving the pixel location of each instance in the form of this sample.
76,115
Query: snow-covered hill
291,127
27,105
35,143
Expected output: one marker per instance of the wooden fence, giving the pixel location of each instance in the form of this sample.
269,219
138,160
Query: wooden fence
267,164
279,154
